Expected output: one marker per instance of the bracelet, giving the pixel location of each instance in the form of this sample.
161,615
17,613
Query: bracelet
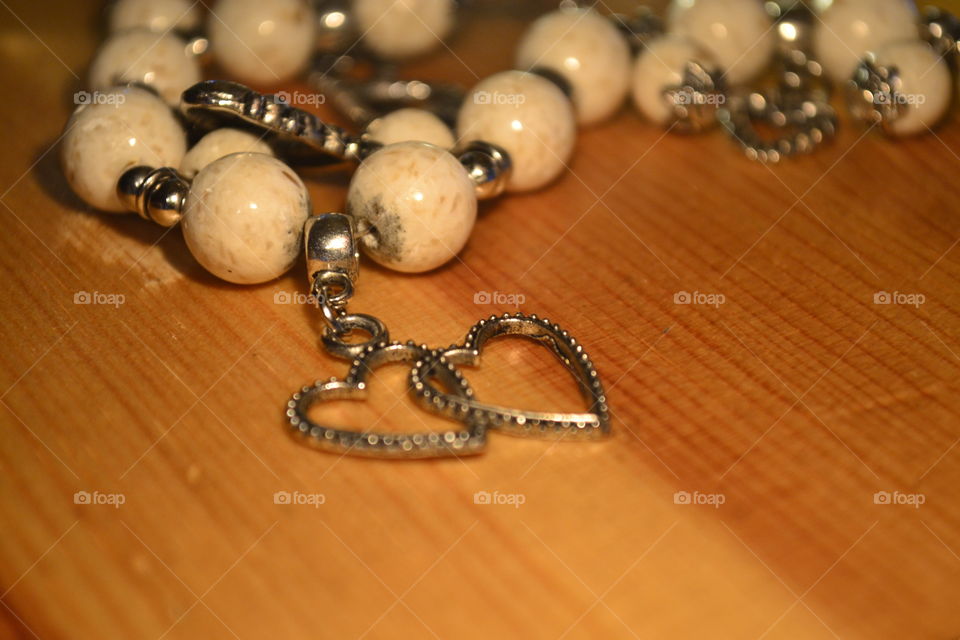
412,200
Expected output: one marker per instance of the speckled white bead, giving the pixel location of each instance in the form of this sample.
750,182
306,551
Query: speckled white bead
262,42
526,115
418,203
737,33
219,143
403,28
244,216
157,60
405,125
588,51
126,128
925,85
659,67
849,29
155,15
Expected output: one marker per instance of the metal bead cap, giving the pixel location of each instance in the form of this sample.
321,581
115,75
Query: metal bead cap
488,166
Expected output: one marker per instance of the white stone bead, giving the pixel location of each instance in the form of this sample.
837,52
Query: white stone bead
660,66
418,202
737,33
155,15
403,28
157,60
262,42
526,115
243,219
849,29
588,51
925,85
124,128
404,125
219,143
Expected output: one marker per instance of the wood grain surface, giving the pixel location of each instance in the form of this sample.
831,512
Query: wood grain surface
793,402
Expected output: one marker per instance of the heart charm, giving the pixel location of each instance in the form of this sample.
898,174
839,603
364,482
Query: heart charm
461,404
468,439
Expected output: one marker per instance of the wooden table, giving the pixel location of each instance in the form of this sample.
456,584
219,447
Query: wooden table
784,409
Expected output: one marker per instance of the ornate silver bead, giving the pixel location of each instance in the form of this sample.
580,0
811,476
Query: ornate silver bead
696,99
488,166
873,93
154,194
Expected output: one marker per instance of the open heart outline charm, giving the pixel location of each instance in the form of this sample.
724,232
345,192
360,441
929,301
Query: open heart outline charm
470,439
461,404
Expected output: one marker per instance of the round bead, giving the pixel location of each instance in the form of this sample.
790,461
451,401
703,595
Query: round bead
414,205
660,66
737,33
155,15
403,28
404,125
849,29
129,127
527,116
924,89
159,61
262,42
588,51
244,217
219,143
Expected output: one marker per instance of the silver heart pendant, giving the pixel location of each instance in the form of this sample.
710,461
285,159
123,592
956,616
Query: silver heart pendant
459,402
470,438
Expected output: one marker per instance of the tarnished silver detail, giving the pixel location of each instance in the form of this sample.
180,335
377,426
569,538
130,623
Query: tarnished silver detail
469,439
594,423
794,25
154,194
331,245
942,30
298,136
334,342
810,124
639,27
694,102
488,166
873,94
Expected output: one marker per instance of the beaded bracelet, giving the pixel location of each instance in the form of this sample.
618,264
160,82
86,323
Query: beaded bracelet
412,200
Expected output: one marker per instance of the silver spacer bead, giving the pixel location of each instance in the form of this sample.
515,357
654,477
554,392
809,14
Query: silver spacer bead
336,31
488,166
639,27
696,100
942,30
154,194
873,93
